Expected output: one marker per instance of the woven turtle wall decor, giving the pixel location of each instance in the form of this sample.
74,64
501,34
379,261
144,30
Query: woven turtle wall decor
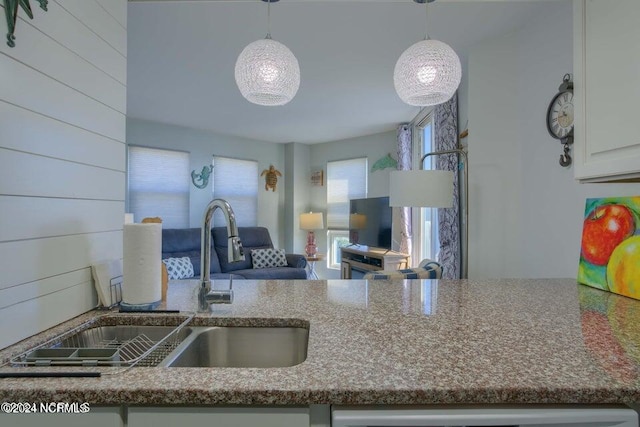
271,178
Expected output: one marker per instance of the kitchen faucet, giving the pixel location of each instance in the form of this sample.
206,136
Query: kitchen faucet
206,296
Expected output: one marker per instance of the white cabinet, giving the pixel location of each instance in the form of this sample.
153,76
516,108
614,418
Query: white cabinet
220,417
183,416
112,416
460,416
607,89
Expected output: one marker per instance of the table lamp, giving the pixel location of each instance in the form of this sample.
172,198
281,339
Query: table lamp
311,221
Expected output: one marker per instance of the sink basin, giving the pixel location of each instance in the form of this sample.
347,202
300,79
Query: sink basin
241,347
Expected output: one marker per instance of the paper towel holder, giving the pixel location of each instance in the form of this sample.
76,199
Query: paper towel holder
115,291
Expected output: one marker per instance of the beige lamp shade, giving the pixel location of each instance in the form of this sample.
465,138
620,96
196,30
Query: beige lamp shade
421,188
311,221
357,221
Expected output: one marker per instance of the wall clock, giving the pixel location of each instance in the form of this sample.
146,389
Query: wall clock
560,118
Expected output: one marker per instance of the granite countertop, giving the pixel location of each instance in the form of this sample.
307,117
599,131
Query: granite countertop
379,342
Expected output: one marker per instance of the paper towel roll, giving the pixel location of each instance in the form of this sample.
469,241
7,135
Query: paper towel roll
142,253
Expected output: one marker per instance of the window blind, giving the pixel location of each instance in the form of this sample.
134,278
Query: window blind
236,181
346,180
158,185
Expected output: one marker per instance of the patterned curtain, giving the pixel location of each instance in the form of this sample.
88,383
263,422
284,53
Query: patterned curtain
446,138
404,163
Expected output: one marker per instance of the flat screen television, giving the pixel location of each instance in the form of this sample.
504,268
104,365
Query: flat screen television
370,222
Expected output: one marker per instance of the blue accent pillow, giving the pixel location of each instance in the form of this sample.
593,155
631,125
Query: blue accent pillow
179,268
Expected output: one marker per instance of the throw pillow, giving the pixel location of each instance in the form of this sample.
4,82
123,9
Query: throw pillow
264,258
179,268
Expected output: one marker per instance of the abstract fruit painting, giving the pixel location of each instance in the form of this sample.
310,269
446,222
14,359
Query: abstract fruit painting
623,269
610,247
604,229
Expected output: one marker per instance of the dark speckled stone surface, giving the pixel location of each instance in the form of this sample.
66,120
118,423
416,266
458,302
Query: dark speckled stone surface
378,342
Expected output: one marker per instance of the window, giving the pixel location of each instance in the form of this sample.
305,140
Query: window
425,219
346,180
236,181
158,185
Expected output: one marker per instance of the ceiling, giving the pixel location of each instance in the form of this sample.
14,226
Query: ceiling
181,58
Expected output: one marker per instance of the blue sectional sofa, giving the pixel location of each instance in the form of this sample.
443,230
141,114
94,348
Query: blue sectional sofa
185,242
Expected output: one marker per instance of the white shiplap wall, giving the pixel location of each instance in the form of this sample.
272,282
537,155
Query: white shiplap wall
62,160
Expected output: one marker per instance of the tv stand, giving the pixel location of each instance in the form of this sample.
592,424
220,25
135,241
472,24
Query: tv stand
356,261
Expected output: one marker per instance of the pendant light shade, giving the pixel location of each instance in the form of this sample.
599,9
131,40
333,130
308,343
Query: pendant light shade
428,73
267,73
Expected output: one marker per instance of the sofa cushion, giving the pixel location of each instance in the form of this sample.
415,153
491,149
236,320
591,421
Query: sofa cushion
275,273
296,260
265,258
179,268
251,238
181,242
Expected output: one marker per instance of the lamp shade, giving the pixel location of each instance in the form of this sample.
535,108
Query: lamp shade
427,73
311,221
421,188
267,73
357,221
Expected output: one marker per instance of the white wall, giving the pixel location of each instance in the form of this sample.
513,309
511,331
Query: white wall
526,211
373,147
297,197
202,146
62,160
495,168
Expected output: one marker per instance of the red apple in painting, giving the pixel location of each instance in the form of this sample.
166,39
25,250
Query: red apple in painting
604,229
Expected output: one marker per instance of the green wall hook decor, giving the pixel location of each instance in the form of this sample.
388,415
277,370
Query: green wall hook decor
11,11
203,176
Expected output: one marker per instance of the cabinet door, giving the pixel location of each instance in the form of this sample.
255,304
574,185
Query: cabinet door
96,417
218,417
607,89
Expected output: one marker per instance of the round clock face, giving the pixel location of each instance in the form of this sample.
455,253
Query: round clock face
560,115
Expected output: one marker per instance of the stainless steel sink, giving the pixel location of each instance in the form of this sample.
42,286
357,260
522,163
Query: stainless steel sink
247,347
168,346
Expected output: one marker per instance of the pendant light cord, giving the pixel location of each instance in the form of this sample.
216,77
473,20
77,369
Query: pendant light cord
268,19
426,20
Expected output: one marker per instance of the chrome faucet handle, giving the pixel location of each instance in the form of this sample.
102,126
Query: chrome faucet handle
224,296
220,296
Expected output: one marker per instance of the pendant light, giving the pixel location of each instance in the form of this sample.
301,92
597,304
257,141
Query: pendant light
267,72
427,73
